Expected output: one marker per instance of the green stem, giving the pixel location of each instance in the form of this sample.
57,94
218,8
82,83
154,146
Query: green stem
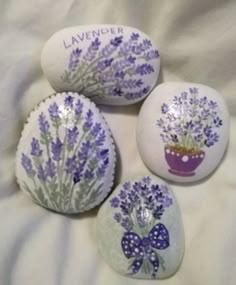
101,88
90,191
61,169
76,150
90,85
32,192
86,71
71,186
91,67
53,203
71,195
79,143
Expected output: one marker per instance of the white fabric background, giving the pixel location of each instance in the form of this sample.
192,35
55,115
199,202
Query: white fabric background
197,42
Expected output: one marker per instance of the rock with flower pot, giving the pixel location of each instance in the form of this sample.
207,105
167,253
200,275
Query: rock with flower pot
110,64
183,131
139,229
65,158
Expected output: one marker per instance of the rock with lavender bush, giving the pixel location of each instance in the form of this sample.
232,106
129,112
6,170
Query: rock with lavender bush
139,229
114,65
65,158
183,131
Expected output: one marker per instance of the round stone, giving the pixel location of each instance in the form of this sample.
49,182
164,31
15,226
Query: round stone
139,229
188,119
65,157
110,64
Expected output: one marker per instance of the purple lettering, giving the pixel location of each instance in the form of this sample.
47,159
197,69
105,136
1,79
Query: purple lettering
66,45
96,33
112,31
74,40
120,30
88,34
81,37
104,31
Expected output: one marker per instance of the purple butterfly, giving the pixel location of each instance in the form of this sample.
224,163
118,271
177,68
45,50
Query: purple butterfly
144,248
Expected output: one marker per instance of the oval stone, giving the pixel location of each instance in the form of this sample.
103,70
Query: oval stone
139,229
65,157
183,131
110,64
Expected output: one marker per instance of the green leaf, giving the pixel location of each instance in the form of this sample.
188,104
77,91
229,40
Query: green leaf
41,196
42,141
93,163
162,261
65,195
92,196
54,197
53,187
96,193
27,189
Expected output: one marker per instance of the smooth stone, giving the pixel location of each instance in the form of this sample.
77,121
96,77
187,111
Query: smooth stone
65,157
183,131
139,229
110,64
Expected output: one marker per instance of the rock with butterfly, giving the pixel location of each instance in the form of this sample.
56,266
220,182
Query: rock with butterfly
110,64
139,229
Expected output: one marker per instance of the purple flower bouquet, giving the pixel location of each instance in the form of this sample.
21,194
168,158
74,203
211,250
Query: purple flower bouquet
114,69
188,125
139,208
67,161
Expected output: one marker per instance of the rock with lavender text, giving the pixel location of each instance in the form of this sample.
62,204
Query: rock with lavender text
139,229
65,158
114,65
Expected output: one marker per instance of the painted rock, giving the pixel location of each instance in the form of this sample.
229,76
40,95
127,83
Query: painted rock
183,131
139,229
65,158
114,65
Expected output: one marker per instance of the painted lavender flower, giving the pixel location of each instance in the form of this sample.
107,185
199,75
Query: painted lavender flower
68,161
139,207
188,125
115,69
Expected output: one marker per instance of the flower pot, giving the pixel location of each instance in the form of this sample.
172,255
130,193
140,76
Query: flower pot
183,163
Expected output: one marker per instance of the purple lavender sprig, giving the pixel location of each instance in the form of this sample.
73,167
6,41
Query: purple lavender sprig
74,59
72,137
109,49
54,112
92,50
144,69
43,124
88,121
50,168
139,94
136,199
35,148
69,102
56,148
27,165
191,122
78,108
